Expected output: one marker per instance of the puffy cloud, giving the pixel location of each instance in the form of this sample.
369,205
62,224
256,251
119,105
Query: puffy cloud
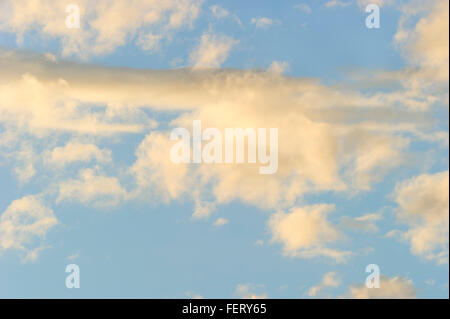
425,43
305,232
390,288
104,25
329,280
424,205
76,152
220,222
24,222
339,143
155,174
278,67
92,188
247,291
212,51
192,295
48,107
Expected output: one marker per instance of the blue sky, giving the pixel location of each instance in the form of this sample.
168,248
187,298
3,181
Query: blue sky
86,177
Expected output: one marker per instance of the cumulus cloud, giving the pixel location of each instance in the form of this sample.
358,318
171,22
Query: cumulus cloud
250,291
425,43
76,152
279,67
24,222
339,143
329,280
390,288
104,25
212,51
305,232
93,188
423,204
220,222
341,146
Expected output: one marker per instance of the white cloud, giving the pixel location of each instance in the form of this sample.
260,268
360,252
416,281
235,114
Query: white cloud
262,22
329,280
219,12
192,295
76,152
336,3
92,188
220,222
342,145
390,288
104,25
425,44
381,3
305,232
25,221
424,205
212,51
247,291
278,67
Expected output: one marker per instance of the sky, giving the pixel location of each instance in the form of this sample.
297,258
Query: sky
86,175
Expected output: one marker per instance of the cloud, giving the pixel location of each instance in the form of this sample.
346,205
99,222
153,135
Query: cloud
303,7
425,44
341,145
220,222
192,295
247,291
329,280
219,12
364,223
212,51
74,256
380,3
23,223
104,25
76,152
305,232
149,42
25,158
336,3
262,22
278,67
423,204
390,288
92,188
